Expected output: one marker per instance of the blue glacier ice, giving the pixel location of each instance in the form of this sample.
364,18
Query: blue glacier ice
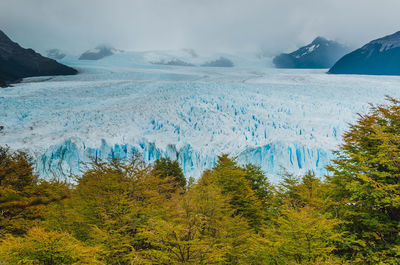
123,105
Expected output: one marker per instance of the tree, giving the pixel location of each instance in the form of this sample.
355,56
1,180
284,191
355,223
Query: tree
302,236
41,247
164,167
193,231
259,184
307,190
200,228
365,186
22,194
232,179
108,206
302,230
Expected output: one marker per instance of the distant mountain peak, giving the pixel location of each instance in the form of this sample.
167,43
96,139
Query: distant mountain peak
99,52
320,53
319,39
55,54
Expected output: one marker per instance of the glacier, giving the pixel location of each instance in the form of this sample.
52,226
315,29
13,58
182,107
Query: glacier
281,119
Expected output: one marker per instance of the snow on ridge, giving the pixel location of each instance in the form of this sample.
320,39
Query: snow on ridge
387,42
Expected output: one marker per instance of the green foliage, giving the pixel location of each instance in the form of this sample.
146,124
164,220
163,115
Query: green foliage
110,203
194,231
303,231
47,248
164,167
22,195
259,184
365,186
235,183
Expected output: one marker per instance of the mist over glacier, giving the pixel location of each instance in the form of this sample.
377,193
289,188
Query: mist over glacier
282,120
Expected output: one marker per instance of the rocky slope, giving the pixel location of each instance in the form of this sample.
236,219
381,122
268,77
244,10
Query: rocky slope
17,63
379,57
321,53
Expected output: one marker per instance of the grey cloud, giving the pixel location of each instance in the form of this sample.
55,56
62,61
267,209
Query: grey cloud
215,25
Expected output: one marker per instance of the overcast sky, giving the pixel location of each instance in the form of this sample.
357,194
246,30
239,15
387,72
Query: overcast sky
214,25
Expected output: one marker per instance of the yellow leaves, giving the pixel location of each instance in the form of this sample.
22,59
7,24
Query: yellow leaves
303,236
192,232
42,247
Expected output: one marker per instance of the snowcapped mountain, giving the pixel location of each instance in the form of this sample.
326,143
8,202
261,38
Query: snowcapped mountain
123,105
321,53
379,57
99,52
220,62
55,54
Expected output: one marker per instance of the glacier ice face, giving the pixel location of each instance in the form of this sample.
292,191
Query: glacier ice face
121,106
71,158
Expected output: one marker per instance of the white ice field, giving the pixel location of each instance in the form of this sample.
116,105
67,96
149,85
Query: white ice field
279,119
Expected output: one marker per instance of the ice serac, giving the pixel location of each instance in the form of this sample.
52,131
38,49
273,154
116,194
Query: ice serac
276,159
72,158
279,119
17,63
379,57
321,53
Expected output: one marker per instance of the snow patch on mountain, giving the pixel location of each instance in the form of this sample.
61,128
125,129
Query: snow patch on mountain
387,42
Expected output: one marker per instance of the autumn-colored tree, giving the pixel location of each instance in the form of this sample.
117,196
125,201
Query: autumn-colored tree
193,231
302,236
308,190
201,228
22,194
48,248
365,185
303,231
111,201
234,183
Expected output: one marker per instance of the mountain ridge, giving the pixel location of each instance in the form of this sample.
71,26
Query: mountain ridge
320,53
378,57
17,63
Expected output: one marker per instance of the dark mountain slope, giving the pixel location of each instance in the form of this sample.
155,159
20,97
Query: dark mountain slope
321,53
17,63
379,57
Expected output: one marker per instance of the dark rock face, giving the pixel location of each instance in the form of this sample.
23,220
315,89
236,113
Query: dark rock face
379,57
98,53
220,62
321,53
174,62
3,84
17,63
55,54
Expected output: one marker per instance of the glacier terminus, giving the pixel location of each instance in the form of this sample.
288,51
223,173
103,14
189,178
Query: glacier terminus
125,105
